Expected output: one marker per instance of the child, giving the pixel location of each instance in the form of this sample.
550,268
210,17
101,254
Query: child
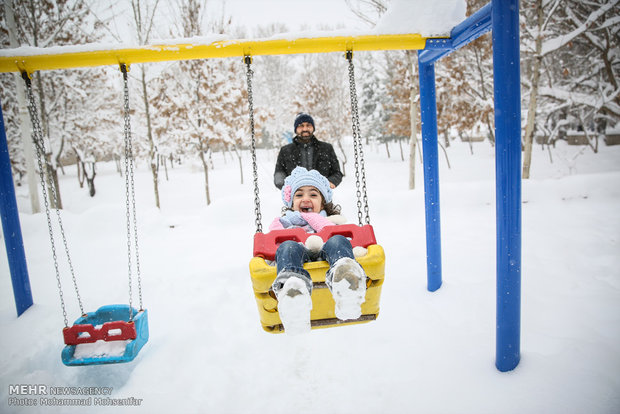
307,197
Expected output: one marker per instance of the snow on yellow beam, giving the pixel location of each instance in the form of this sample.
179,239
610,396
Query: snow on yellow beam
67,57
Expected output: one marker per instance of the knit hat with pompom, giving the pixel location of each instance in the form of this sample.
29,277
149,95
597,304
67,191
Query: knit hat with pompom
301,177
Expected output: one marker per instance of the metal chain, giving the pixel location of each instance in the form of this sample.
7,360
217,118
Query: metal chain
357,147
130,197
257,212
39,144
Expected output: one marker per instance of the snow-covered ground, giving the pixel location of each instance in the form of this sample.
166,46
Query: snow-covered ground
426,353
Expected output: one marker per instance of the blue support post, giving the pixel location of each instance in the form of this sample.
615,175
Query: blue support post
428,107
505,21
12,230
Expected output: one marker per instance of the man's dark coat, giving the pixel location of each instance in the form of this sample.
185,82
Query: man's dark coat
314,155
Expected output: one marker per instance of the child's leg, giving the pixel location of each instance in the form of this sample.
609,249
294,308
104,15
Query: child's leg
345,278
292,287
290,258
337,247
333,250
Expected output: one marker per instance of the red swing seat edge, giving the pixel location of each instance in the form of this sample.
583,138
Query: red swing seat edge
72,334
266,244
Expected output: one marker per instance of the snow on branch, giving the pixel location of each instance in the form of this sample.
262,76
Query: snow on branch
560,41
584,99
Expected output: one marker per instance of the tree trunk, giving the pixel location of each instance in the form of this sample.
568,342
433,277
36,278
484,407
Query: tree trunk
117,162
469,140
58,155
50,169
24,120
164,162
90,178
413,137
446,138
344,158
52,175
240,161
80,171
531,110
152,147
387,148
491,135
445,153
205,167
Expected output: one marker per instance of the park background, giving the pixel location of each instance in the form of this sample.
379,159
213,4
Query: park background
427,352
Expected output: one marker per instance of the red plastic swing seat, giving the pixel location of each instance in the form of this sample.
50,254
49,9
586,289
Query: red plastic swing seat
266,244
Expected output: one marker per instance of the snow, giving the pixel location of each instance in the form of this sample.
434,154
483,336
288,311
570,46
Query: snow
429,19
421,16
100,348
427,352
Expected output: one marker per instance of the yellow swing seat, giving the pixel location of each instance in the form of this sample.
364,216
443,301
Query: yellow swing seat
322,315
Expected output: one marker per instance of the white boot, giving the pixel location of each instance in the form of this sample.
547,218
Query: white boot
348,288
294,306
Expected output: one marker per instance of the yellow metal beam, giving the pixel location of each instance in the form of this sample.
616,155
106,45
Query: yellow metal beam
67,57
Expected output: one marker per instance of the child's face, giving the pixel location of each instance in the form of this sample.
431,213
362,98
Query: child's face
307,199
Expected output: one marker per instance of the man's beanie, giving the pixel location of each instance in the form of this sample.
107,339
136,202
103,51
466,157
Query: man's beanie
302,117
301,177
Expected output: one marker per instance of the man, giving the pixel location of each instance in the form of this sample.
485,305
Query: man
308,152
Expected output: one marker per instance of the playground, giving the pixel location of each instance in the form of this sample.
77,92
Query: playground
427,352
452,294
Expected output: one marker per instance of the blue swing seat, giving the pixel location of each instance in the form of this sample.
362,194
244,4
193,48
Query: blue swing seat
108,323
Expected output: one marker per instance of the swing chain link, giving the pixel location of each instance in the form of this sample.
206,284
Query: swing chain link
257,209
130,197
357,147
39,144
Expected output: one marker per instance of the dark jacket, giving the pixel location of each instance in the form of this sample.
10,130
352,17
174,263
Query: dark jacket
315,155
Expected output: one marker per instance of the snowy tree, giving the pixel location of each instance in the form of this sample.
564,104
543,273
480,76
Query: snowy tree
201,102
322,91
273,91
398,86
558,37
371,91
389,98
144,20
44,24
93,120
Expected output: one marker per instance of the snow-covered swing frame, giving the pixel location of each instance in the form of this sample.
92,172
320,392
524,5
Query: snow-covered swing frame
501,17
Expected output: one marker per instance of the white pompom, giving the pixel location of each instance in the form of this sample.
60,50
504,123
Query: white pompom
314,243
337,219
359,251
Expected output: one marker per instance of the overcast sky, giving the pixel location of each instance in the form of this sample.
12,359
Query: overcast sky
295,13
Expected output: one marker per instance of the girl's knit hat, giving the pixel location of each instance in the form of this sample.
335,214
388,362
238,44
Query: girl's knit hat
301,177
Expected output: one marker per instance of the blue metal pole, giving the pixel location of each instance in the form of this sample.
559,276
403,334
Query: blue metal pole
428,107
12,230
505,17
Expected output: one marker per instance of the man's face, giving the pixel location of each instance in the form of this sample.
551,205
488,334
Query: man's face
305,130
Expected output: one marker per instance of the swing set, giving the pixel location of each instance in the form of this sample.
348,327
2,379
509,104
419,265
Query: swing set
125,323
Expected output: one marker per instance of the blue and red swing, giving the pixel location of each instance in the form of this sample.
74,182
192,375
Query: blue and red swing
120,325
